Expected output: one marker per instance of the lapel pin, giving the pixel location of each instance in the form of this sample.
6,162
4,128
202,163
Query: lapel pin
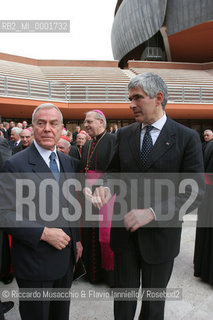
167,143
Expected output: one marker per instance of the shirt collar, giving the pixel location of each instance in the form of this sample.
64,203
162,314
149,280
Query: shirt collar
44,152
159,123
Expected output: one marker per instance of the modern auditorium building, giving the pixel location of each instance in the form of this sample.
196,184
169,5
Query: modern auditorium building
171,38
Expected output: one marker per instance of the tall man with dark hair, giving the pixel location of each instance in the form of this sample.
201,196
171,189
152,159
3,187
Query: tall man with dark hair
153,144
44,251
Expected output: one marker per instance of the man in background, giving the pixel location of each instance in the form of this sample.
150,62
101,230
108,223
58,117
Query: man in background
26,137
96,156
11,125
24,124
15,137
5,130
63,145
74,135
207,136
115,128
76,151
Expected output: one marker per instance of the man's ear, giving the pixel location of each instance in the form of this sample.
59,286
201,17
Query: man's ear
101,121
159,98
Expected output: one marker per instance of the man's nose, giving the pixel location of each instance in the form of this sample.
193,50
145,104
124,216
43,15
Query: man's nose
47,127
132,104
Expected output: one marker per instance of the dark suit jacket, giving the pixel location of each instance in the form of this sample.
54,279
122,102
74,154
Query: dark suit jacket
17,148
177,150
208,156
32,258
12,144
74,153
5,151
5,133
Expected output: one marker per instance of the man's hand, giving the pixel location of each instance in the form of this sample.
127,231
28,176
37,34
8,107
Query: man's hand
101,196
79,250
55,237
87,193
137,218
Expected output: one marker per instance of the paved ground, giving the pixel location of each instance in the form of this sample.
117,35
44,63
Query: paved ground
195,304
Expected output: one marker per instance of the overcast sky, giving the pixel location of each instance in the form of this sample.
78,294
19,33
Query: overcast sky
90,29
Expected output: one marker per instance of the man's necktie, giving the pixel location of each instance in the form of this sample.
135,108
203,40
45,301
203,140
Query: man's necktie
54,166
147,146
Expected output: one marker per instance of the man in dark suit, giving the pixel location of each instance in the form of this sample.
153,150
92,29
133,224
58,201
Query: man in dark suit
203,254
5,153
26,137
15,137
74,135
44,250
152,145
115,128
5,130
77,150
207,146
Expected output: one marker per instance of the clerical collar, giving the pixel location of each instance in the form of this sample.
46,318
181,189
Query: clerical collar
98,136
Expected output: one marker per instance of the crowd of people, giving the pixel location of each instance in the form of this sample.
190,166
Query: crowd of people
45,253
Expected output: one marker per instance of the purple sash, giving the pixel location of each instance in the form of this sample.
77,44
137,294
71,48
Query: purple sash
105,214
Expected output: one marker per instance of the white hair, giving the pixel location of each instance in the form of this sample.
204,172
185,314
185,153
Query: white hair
46,106
17,130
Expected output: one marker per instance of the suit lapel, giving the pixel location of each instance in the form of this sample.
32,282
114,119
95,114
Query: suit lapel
37,163
164,142
134,142
65,165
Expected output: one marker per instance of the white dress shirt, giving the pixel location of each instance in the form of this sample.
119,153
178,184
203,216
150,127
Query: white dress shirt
157,127
45,154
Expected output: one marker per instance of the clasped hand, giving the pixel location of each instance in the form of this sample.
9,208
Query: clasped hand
133,220
137,218
100,196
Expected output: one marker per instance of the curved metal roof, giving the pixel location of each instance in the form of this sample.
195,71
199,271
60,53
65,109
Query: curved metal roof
182,14
135,22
